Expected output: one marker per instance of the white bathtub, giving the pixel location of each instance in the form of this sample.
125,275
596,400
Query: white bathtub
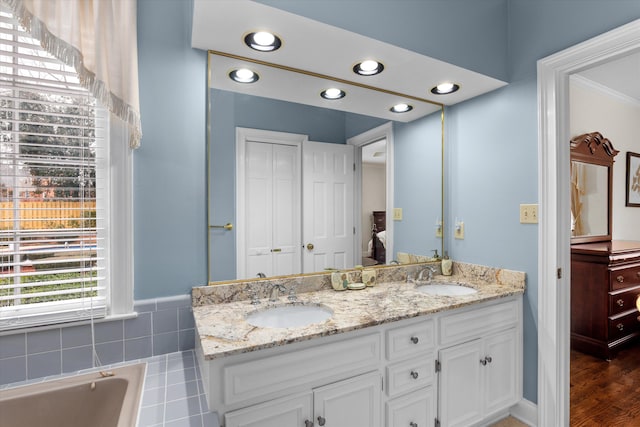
77,401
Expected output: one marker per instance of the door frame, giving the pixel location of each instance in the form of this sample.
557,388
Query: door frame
244,135
384,131
554,229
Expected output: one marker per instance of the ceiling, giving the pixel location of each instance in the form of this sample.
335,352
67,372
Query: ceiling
621,76
330,51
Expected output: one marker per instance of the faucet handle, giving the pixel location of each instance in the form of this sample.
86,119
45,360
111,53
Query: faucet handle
292,294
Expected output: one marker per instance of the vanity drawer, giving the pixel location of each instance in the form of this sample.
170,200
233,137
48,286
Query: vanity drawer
625,278
410,340
623,325
418,408
623,301
457,328
410,375
273,375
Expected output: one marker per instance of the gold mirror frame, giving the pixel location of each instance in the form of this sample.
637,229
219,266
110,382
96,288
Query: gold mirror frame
229,226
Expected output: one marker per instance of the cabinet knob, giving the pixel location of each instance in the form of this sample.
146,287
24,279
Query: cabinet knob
620,279
412,424
620,326
414,375
483,362
321,421
308,423
414,340
620,302
488,359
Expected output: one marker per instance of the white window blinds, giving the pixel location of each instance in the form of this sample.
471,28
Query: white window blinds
52,188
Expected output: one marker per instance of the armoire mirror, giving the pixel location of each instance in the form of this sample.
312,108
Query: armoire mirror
592,157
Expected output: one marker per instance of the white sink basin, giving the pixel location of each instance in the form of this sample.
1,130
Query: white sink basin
289,316
446,289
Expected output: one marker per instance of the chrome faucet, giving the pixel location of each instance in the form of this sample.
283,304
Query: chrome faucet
277,287
430,272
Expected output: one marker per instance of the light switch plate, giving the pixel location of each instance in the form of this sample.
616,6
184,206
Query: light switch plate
458,231
397,214
529,213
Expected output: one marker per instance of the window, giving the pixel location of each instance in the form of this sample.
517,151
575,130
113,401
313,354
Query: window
55,216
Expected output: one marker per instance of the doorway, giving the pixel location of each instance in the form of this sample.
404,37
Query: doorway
554,230
377,140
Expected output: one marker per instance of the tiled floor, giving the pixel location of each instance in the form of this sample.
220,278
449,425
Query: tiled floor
173,393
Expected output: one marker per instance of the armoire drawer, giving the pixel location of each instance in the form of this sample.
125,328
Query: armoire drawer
625,278
620,302
623,325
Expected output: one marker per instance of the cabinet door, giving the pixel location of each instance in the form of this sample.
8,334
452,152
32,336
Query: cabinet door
460,384
501,373
413,409
287,412
354,402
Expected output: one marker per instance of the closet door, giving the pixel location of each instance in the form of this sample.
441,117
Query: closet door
271,209
327,200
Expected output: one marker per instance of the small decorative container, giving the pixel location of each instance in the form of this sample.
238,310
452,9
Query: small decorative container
369,276
447,265
340,280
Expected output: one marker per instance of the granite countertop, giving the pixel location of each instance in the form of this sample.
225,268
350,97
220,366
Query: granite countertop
223,330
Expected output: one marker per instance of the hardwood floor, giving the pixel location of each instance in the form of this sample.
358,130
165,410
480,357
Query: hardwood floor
606,393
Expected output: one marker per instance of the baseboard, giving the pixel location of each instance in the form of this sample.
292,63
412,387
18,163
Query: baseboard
525,411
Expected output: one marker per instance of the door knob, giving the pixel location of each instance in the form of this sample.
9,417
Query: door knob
310,246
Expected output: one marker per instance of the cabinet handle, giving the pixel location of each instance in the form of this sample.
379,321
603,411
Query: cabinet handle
308,423
414,340
483,362
620,302
412,424
620,326
414,375
620,279
321,421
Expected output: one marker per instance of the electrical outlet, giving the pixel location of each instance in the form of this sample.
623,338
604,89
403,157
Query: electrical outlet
397,214
458,231
528,214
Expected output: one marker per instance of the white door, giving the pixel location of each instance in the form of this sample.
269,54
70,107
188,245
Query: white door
501,387
271,210
354,402
460,399
328,203
287,412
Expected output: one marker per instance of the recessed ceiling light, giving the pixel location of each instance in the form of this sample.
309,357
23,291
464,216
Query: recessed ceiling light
401,108
445,88
244,75
332,93
263,41
368,68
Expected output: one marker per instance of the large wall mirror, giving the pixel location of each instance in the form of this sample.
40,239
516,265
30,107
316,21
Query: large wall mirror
592,157
397,194
259,155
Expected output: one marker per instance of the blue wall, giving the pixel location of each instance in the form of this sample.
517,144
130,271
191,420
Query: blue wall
491,140
169,168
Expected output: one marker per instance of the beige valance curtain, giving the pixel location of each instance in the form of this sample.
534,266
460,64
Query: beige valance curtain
98,38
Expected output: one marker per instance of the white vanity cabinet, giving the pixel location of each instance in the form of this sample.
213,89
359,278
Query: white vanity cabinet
354,402
457,367
480,364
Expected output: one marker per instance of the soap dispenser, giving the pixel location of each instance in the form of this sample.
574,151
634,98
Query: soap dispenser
447,265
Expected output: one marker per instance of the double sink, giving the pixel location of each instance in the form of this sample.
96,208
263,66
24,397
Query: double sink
295,316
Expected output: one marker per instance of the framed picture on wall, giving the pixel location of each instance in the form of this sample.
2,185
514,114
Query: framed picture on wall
633,179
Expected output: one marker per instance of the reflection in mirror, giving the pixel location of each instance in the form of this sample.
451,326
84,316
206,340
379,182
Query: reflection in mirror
589,189
280,219
592,157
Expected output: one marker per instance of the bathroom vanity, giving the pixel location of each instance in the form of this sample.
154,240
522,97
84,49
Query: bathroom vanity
389,356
